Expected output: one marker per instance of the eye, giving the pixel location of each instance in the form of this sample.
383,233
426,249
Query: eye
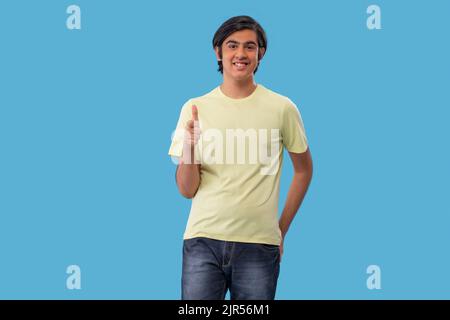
251,47
232,46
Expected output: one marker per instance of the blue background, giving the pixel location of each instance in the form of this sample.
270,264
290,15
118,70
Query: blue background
86,118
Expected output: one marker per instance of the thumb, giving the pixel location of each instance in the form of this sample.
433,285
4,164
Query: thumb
194,113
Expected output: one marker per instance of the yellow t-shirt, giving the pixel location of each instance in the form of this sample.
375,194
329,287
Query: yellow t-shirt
241,154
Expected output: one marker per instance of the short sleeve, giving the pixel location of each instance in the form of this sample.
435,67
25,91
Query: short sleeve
176,147
292,129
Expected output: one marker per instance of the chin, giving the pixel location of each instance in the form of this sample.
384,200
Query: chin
240,76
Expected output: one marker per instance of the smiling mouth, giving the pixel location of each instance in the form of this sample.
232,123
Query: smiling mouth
239,64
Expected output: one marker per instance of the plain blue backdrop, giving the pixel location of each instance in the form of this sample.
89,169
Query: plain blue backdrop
86,118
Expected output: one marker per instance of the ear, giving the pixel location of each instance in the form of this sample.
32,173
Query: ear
216,50
261,53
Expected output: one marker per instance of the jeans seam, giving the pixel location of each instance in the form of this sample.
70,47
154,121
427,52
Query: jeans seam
223,253
231,253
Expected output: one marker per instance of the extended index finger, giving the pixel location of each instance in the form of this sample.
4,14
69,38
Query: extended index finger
194,113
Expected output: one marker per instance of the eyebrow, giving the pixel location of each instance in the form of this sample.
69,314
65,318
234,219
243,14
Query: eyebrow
237,42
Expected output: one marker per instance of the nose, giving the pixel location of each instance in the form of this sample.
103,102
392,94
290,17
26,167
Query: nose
241,52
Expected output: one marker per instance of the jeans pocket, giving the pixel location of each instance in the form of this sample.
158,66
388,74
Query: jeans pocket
270,248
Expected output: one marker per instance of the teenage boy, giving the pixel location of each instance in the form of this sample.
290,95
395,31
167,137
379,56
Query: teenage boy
233,238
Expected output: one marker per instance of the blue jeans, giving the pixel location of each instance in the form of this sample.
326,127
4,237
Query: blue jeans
211,267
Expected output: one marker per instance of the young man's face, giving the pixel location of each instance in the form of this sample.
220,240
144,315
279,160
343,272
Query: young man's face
240,55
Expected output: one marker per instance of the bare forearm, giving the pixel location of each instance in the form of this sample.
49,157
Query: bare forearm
188,174
296,194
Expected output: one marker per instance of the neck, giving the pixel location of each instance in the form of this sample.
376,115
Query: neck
238,89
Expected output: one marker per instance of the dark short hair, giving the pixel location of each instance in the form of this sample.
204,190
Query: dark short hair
234,24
